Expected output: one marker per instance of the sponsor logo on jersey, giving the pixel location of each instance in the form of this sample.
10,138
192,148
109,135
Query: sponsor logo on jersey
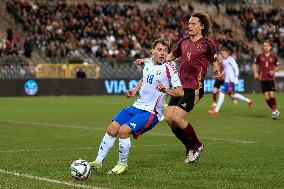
183,105
159,72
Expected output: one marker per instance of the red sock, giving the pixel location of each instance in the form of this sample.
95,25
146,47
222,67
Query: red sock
268,103
190,133
273,104
214,97
180,135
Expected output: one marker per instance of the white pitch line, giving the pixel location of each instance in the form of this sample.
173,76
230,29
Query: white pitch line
48,180
150,133
85,148
45,149
66,149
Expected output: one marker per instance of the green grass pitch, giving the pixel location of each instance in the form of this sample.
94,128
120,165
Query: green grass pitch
41,136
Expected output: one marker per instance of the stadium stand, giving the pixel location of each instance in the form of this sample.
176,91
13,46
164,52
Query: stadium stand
113,34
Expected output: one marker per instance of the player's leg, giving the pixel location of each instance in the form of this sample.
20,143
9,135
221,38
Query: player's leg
124,147
141,122
109,138
275,111
186,104
176,130
220,99
216,88
106,144
220,102
267,99
237,96
214,96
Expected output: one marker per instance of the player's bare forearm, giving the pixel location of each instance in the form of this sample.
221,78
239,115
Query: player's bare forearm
217,72
276,69
178,91
255,71
132,92
170,57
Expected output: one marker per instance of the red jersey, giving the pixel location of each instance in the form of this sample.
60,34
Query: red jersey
194,61
266,64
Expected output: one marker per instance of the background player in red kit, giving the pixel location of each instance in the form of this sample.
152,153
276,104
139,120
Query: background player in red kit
264,67
194,52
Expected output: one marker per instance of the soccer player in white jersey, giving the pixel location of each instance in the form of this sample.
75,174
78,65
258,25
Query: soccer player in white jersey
159,80
231,73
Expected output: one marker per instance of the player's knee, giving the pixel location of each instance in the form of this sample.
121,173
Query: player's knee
176,122
169,120
113,129
124,131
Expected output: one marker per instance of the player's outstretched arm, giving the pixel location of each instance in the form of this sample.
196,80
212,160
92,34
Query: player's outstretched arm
131,93
178,91
139,61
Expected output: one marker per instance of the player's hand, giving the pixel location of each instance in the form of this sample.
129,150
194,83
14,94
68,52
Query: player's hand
256,76
271,73
130,93
139,61
160,87
218,75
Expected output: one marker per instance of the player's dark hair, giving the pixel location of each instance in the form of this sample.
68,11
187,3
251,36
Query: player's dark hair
225,49
163,42
269,42
204,19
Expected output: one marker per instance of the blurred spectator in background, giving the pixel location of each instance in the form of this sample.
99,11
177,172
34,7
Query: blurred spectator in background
81,74
28,47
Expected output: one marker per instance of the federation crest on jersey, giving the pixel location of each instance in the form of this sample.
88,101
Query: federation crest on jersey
198,47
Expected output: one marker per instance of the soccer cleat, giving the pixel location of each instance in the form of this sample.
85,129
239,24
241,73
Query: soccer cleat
275,114
212,111
118,169
214,104
96,166
194,154
250,103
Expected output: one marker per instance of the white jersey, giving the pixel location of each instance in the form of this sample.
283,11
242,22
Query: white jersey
231,69
150,98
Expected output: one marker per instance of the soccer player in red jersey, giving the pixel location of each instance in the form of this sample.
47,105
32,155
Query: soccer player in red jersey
264,67
194,51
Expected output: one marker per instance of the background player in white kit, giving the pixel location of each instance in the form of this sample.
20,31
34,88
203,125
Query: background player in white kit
231,73
159,79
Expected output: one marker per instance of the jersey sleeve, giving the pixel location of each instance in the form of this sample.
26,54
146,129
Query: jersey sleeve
212,52
172,75
177,50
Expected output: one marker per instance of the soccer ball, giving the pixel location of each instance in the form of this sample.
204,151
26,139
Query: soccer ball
80,169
